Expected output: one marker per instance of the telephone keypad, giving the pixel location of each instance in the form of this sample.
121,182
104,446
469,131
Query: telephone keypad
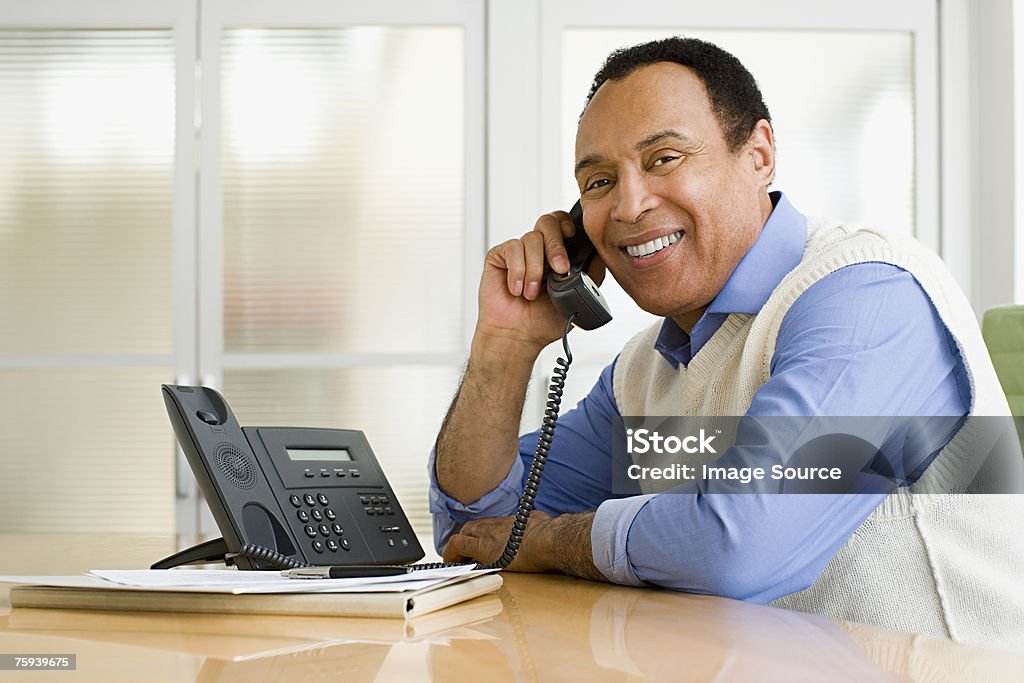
325,536
331,537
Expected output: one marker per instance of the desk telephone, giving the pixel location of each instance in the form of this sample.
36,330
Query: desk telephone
288,497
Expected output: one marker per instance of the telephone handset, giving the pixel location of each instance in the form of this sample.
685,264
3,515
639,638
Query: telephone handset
286,496
575,293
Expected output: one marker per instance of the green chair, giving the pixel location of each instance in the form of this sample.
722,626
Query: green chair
1003,330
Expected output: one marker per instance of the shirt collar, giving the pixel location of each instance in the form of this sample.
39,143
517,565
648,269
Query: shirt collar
777,250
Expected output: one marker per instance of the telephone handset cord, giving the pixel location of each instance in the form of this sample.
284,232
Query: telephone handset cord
276,560
540,456
266,556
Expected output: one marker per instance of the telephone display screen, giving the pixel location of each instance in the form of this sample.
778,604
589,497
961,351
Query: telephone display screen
319,454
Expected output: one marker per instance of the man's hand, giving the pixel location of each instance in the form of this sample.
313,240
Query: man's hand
513,300
483,540
550,545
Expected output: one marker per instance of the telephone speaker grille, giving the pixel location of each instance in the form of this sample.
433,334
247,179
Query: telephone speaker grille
237,466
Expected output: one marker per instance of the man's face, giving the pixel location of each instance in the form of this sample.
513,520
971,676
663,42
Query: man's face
653,168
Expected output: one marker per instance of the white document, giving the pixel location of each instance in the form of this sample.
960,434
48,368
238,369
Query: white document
239,582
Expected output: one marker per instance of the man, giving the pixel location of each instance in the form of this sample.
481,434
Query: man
766,314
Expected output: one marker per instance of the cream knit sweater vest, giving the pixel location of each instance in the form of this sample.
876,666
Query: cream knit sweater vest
950,565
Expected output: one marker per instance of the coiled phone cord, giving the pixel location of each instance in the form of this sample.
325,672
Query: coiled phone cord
276,560
266,556
540,456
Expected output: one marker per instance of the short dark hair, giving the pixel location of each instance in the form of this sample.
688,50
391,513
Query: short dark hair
735,98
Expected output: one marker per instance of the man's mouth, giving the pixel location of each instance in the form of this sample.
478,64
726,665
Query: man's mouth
648,249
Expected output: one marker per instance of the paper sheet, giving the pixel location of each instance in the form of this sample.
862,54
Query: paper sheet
239,582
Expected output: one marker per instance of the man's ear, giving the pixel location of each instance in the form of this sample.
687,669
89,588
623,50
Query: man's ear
761,147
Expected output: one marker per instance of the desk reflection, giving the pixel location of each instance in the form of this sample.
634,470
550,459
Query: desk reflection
611,633
205,647
556,629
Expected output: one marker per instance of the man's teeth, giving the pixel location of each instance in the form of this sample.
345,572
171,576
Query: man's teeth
654,246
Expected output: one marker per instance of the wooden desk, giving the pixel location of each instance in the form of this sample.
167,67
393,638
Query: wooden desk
539,628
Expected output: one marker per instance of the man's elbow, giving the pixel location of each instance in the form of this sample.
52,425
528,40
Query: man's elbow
747,574
762,584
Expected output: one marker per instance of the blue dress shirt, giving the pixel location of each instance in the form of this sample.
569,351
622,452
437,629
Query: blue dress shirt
842,349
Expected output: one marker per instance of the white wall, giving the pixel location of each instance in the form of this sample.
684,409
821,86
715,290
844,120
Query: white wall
992,185
1018,66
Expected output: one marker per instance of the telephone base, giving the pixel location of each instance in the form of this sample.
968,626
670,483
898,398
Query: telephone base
210,551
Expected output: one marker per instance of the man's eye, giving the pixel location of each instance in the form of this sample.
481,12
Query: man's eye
661,161
600,182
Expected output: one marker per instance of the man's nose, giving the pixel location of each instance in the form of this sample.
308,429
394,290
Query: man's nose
632,198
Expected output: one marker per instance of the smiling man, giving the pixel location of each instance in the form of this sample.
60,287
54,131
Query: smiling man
766,313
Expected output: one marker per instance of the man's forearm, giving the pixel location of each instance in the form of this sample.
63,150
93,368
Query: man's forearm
478,440
567,544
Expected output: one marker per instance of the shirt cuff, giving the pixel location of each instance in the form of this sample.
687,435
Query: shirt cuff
449,514
608,537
